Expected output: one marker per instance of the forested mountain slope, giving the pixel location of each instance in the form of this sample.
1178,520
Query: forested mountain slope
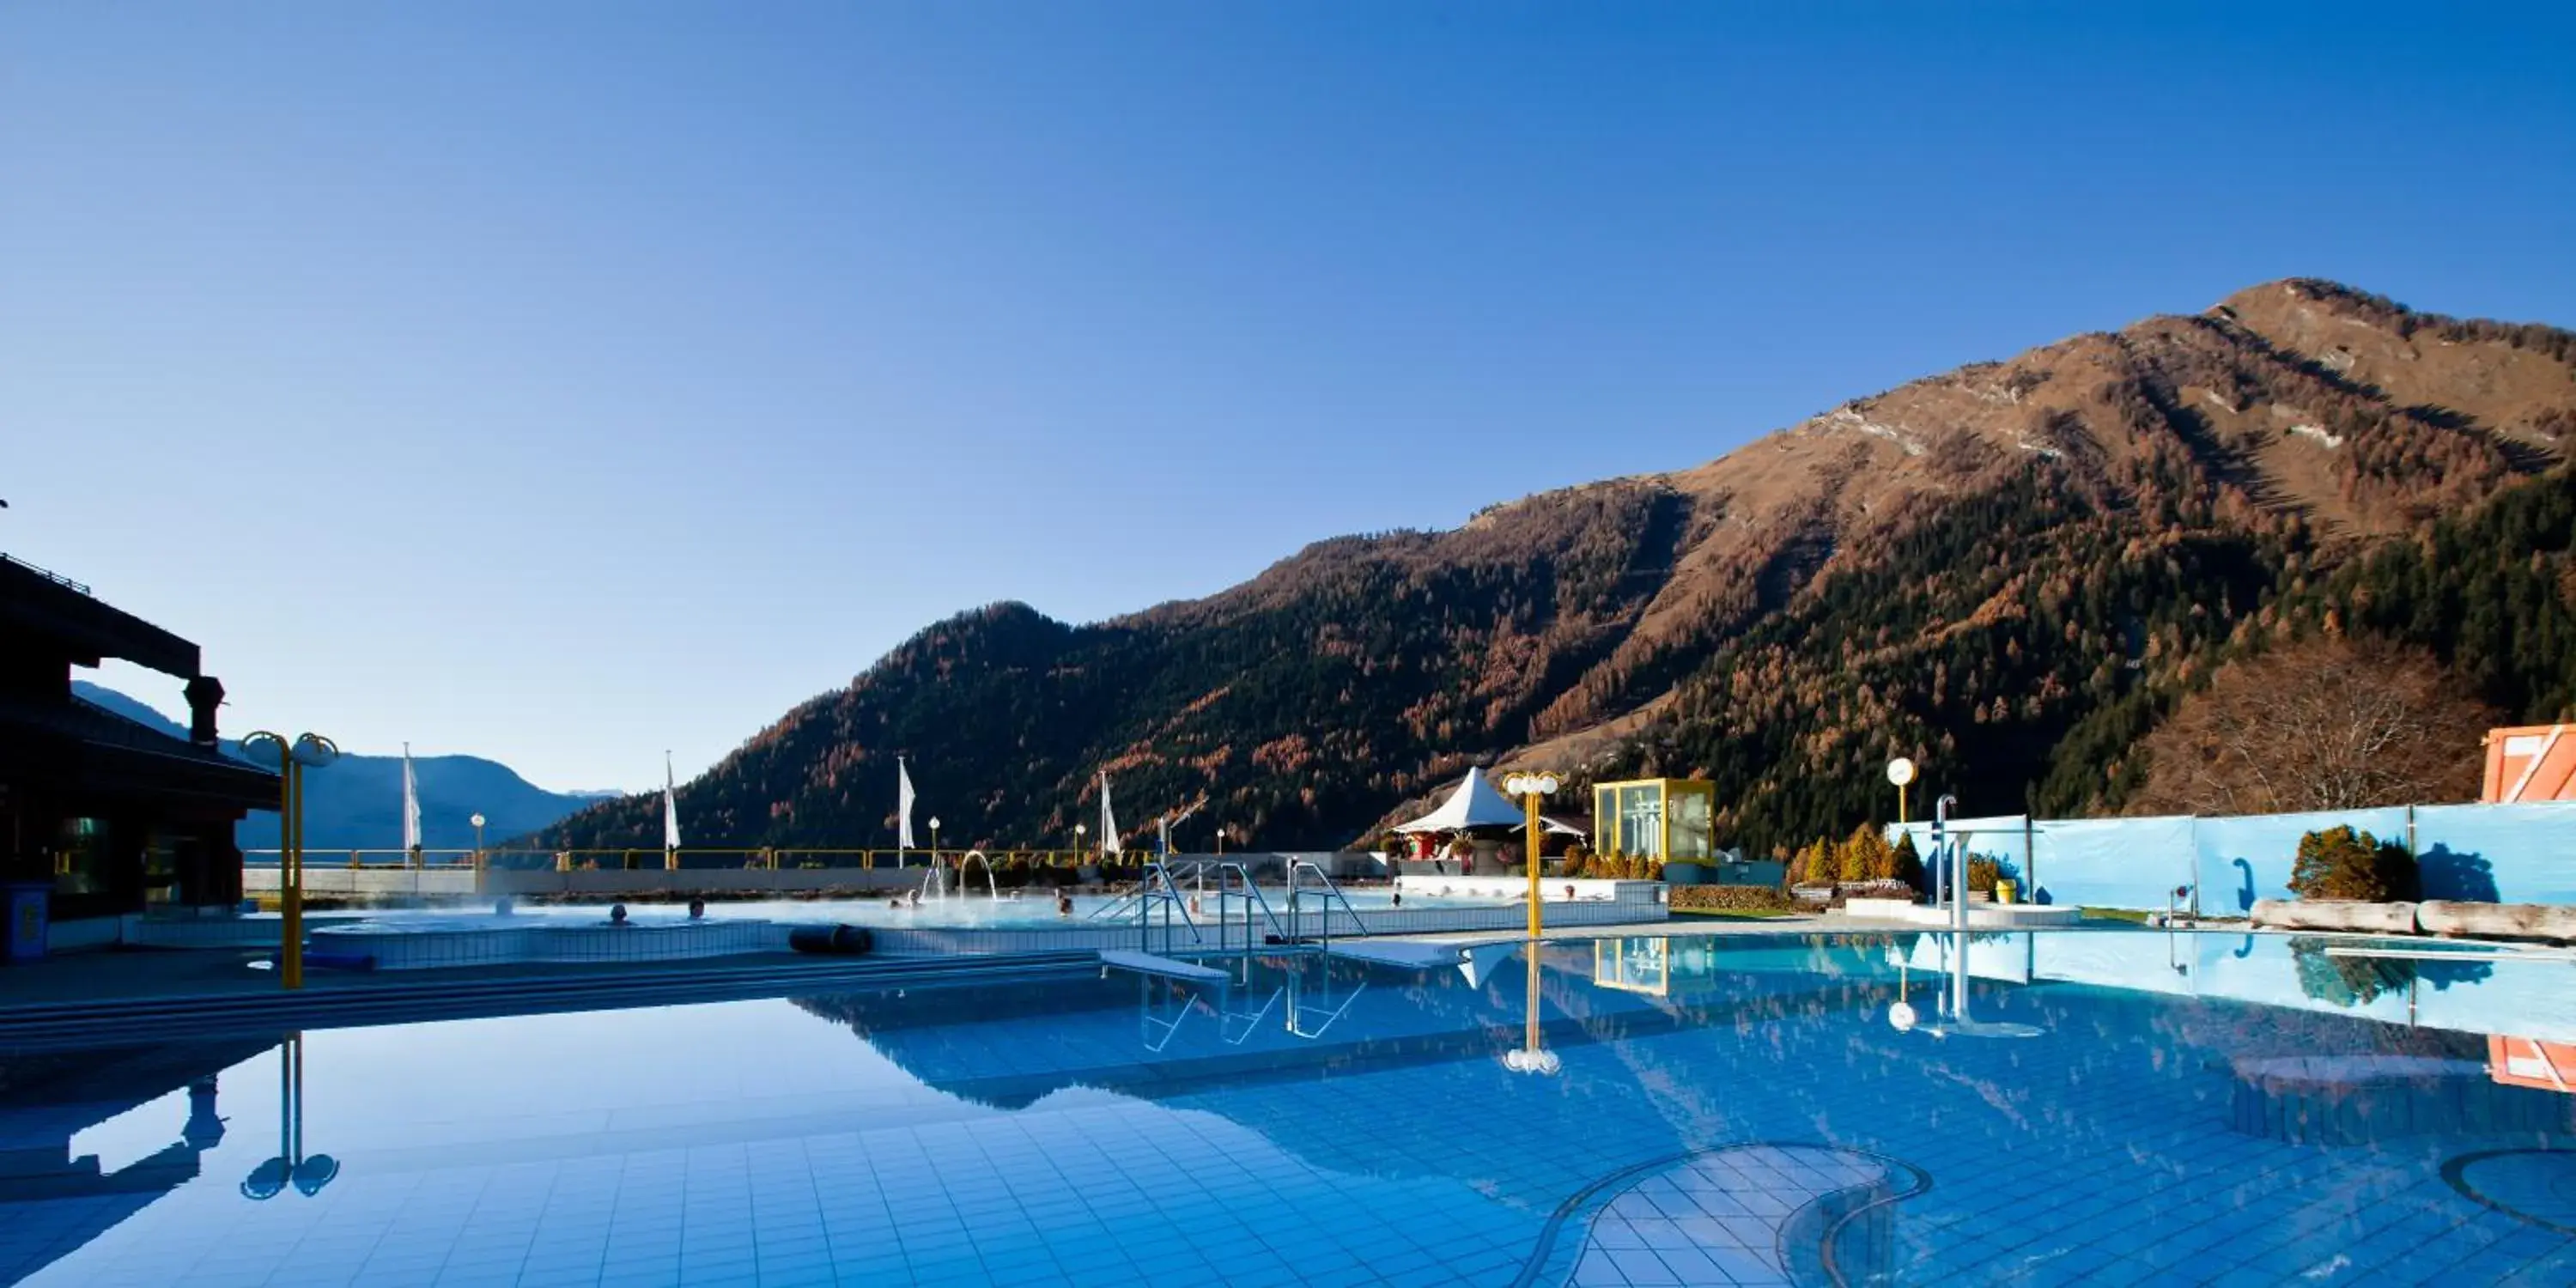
2008,571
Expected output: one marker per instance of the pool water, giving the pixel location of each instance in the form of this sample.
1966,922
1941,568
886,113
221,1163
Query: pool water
2172,1107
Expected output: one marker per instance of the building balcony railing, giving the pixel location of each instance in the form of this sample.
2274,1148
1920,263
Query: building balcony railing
46,573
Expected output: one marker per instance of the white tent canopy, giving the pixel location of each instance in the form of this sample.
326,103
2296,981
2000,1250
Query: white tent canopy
1474,804
1551,825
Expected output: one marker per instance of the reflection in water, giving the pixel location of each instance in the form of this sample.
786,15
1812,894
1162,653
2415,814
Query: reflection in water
1312,1017
308,1173
1900,1013
1958,1017
2359,1098
1533,1057
2530,1062
1641,965
52,1202
1757,1079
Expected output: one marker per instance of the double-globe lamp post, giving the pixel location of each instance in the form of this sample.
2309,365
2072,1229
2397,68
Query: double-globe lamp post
307,751
1531,789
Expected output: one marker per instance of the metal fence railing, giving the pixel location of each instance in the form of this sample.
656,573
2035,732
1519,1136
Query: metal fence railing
777,858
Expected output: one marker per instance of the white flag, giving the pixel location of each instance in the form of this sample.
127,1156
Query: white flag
670,808
1108,821
411,804
902,805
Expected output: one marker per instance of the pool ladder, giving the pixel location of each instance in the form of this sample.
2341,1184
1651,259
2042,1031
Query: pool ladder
1159,890
1331,894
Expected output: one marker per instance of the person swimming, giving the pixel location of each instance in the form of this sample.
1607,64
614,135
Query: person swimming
1063,904
697,909
617,914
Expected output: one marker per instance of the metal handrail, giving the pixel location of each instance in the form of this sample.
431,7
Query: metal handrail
1157,887
48,574
1331,891
1118,907
1252,899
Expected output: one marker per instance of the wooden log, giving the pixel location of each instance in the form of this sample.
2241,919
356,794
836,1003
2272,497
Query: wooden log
2496,920
2335,914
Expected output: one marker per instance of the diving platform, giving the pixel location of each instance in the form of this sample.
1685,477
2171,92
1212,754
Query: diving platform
1165,967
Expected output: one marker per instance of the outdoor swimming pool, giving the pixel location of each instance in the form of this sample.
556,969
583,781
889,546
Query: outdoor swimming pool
1696,1110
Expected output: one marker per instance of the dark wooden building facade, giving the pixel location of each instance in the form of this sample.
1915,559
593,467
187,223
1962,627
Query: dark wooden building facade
119,817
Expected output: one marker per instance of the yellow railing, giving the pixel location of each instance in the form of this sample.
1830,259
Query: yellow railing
702,857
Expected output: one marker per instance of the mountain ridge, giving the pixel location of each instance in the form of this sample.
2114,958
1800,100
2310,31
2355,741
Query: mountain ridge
356,801
2209,463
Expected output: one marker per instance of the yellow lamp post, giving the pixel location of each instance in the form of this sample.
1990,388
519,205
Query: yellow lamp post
1900,771
1532,788
310,750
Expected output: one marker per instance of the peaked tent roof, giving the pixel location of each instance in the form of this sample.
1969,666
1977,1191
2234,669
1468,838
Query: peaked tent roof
1551,825
1474,804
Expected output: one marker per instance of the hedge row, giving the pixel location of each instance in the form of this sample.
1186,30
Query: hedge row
1725,898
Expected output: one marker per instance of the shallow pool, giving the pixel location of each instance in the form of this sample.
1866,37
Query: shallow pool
2118,1107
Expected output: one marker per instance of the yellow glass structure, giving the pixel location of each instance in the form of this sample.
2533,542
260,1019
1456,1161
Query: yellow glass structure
1670,819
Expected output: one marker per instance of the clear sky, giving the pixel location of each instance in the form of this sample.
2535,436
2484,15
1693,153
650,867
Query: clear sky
564,382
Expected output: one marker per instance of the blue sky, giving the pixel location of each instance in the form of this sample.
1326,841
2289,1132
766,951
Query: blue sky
566,382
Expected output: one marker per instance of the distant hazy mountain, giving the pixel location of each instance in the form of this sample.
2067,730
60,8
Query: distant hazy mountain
356,803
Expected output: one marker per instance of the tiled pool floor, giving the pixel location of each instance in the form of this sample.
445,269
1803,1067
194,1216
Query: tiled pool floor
1684,1138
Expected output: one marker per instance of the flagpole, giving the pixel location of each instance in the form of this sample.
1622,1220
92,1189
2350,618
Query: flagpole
670,817
411,813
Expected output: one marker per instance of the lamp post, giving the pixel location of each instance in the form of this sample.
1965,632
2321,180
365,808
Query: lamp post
1532,788
934,844
477,820
309,750
1081,835
1900,771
